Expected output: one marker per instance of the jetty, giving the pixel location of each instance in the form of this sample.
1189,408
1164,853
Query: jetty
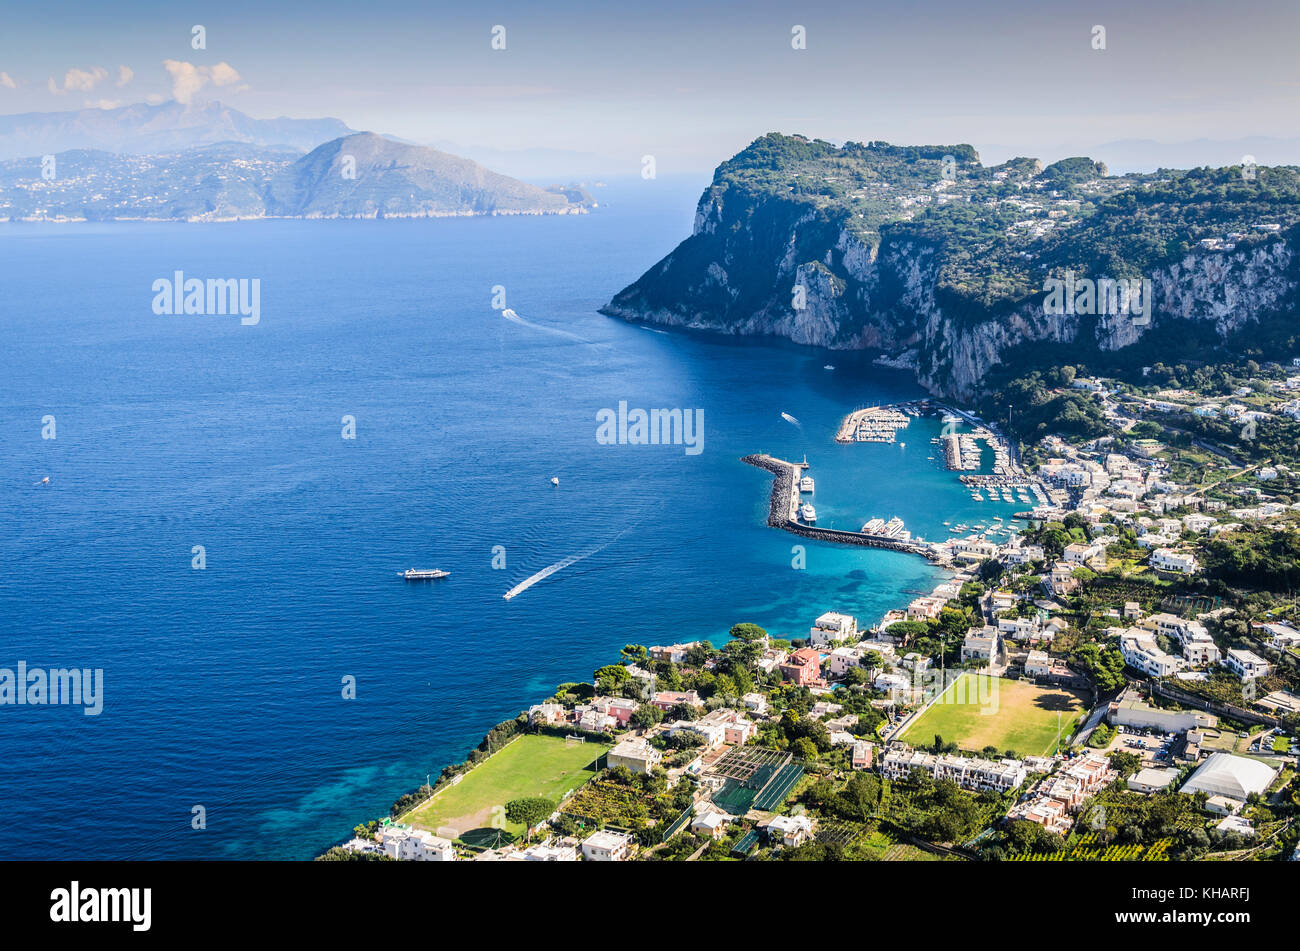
783,512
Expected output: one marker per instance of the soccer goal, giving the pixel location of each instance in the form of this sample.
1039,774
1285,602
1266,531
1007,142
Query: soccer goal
571,739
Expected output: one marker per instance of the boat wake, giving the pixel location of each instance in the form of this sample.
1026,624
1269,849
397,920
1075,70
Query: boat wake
562,563
790,419
514,318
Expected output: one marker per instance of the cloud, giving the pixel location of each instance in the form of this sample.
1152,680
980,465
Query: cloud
7,81
79,80
103,103
188,79
124,75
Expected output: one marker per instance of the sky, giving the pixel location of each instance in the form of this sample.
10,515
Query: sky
688,82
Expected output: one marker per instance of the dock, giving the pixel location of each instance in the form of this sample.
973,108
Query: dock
783,511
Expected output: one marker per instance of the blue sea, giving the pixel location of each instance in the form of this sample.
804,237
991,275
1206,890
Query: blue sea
223,687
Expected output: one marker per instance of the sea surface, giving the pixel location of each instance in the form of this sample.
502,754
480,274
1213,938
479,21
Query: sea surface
223,687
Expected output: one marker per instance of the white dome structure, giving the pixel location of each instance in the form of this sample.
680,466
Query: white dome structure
1235,777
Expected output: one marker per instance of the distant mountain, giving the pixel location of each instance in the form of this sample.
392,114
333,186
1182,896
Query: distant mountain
358,176
393,179
143,129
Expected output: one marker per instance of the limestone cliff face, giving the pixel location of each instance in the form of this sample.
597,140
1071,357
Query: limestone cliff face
758,264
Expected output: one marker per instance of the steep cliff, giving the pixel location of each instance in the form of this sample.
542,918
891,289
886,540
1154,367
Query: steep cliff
943,264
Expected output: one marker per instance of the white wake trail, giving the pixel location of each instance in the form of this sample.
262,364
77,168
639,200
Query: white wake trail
562,563
514,318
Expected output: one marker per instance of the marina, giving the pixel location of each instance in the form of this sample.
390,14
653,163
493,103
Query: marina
784,507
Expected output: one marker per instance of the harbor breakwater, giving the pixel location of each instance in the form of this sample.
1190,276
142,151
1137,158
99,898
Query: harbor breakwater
782,507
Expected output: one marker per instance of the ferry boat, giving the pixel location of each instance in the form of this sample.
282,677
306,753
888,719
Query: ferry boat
424,574
808,513
874,527
806,484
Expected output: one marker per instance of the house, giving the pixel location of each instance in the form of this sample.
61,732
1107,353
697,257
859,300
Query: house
755,703
546,713
545,853
607,846
1236,824
924,608
673,653
1018,628
841,659
1283,636
1141,652
636,754
863,754
969,773
981,644
1085,554
667,699
414,845
833,626
803,667
620,708
1246,664
790,831
918,663
1062,580
1166,559
1153,779
1038,664
711,824
1051,627
593,720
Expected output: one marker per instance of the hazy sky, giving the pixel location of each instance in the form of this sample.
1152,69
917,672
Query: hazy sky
689,82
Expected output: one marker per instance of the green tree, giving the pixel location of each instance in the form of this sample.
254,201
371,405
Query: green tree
529,811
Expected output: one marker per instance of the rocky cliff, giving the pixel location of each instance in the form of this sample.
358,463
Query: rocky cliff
942,264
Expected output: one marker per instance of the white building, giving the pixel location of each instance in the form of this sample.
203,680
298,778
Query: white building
415,845
1246,664
832,626
790,830
1141,651
967,772
606,846
980,645
1038,664
636,754
1166,559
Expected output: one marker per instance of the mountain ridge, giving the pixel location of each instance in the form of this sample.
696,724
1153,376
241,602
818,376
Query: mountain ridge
939,262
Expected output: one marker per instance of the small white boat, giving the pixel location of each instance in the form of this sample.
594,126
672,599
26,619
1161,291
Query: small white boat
555,480
828,367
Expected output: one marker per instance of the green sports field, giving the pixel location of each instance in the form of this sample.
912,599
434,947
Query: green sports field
978,711
528,766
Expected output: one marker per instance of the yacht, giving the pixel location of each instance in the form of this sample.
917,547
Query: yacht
808,513
806,484
424,574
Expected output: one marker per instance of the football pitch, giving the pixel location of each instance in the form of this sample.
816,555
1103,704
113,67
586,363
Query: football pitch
977,710
532,765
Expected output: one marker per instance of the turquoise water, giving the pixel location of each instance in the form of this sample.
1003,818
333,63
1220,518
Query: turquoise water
223,686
